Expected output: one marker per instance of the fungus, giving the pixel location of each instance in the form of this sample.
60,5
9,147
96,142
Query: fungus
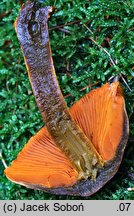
79,149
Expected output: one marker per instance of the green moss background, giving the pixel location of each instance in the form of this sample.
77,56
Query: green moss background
86,38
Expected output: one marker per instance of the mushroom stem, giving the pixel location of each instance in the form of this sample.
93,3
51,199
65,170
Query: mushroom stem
32,30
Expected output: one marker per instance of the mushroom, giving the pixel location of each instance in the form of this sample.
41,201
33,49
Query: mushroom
79,149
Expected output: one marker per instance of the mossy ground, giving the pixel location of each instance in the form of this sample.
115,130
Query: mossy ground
87,38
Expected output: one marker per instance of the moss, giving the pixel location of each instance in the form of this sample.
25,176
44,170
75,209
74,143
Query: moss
79,33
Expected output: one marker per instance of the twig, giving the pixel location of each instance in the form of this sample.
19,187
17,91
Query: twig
21,2
5,14
3,161
62,26
88,28
68,95
89,86
131,29
120,74
100,47
64,30
112,61
82,89
131,189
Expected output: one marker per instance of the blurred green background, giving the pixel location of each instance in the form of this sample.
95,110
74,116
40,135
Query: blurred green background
86,38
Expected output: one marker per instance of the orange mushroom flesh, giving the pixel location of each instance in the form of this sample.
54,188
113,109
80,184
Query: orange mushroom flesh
100,115
42,162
